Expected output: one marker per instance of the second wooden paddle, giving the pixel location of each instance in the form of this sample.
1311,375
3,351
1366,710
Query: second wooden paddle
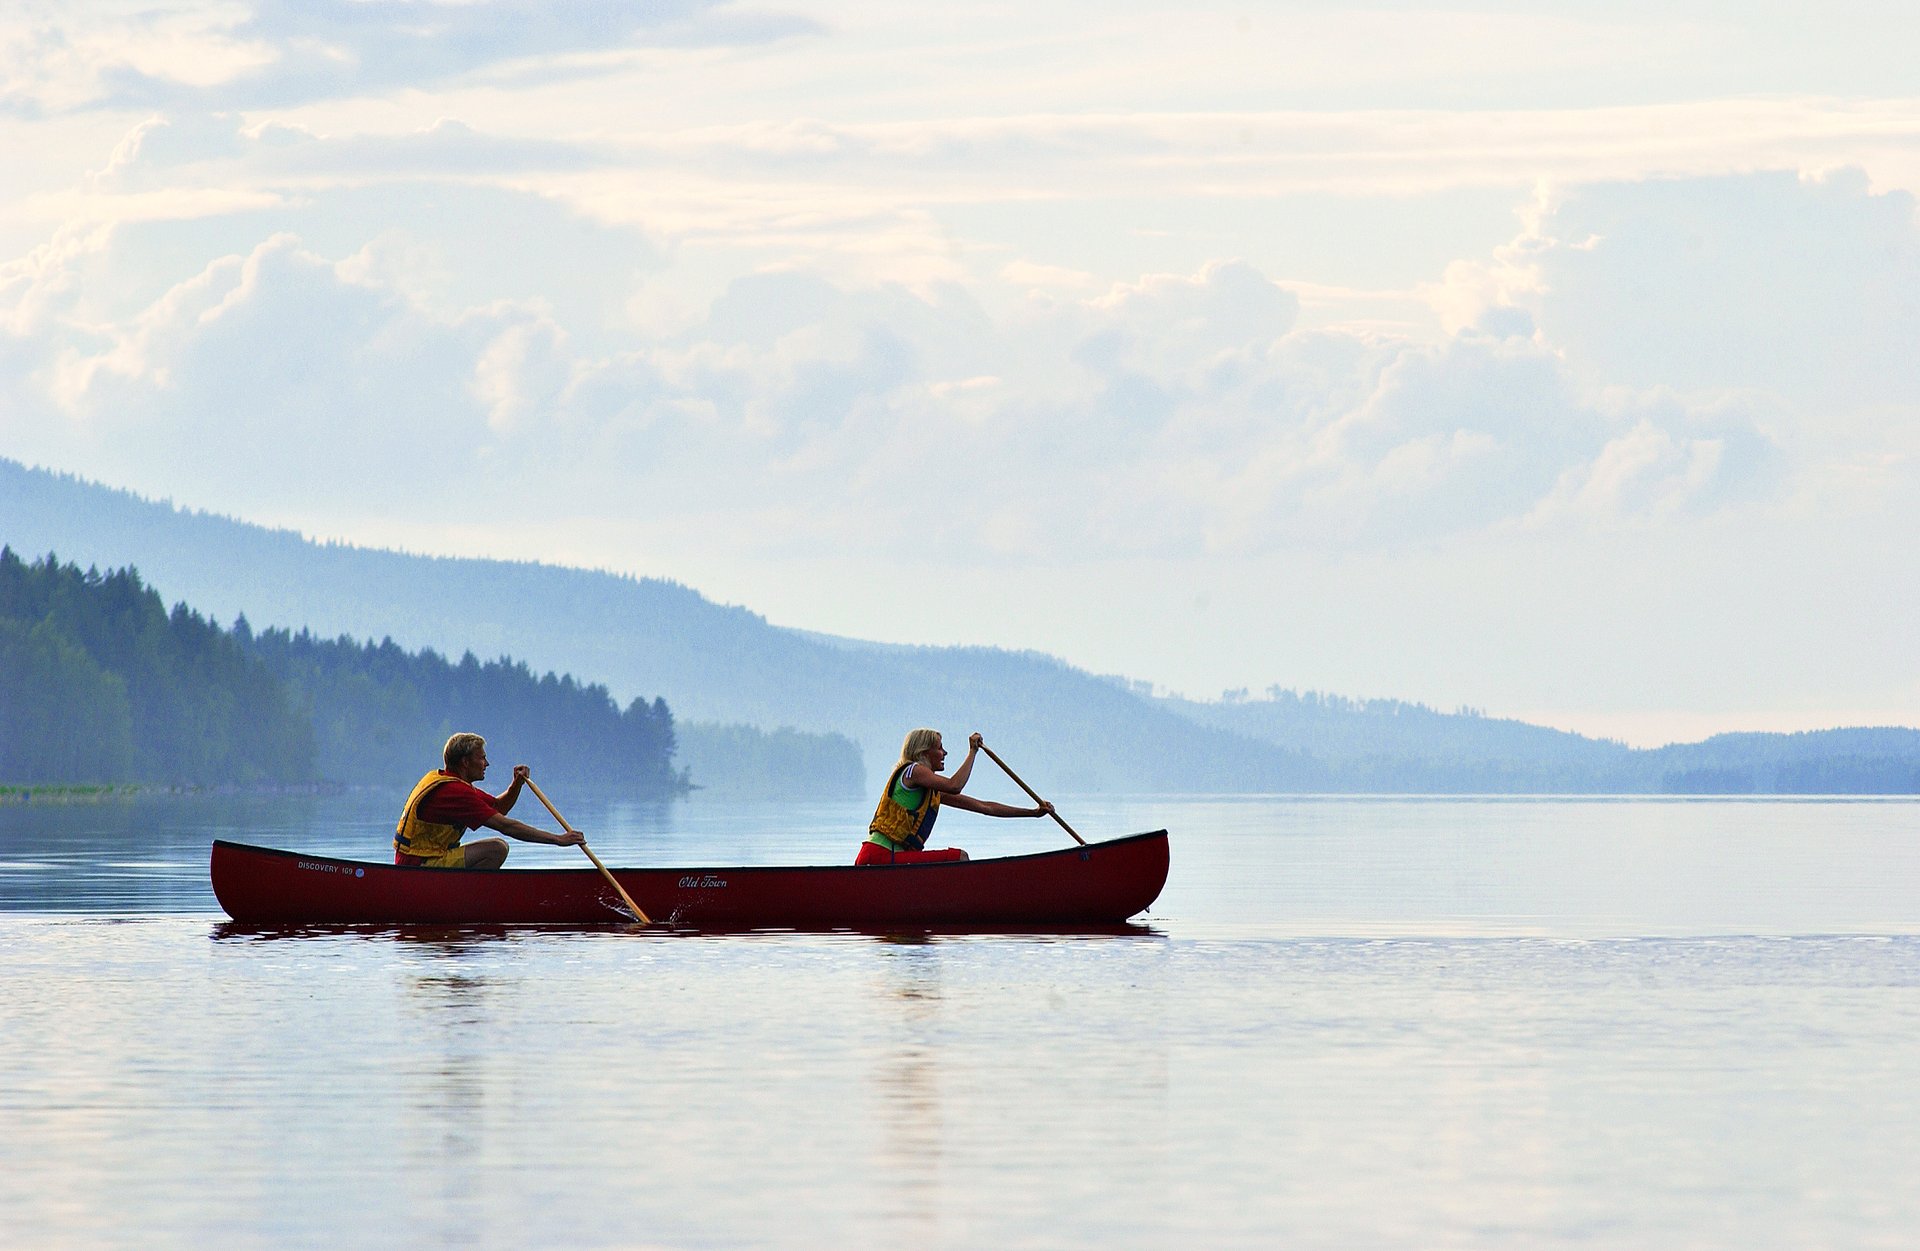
604,871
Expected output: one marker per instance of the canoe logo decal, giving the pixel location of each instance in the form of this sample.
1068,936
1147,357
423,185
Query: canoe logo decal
702,881
341,869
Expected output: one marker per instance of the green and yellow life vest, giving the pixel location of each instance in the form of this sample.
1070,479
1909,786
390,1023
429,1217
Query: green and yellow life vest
895,825
415,837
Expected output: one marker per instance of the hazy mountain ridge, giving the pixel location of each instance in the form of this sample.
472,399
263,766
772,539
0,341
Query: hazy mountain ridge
645,636
1066,729
1384,744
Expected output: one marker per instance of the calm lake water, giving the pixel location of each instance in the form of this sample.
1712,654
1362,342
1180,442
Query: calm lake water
1348,1023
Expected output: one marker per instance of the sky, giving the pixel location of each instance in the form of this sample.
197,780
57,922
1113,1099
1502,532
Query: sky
1553,359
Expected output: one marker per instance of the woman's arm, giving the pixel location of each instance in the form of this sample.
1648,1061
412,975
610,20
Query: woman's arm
987,807
927,780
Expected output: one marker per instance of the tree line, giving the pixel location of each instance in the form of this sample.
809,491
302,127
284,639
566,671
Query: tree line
101,682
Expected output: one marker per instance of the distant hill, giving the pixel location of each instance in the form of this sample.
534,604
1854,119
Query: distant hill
1877,761
1389,745
1064,728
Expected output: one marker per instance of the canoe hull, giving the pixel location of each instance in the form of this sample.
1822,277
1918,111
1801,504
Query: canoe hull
1100,884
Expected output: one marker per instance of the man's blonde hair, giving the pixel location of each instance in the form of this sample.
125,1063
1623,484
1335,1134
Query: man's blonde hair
918,743
459,747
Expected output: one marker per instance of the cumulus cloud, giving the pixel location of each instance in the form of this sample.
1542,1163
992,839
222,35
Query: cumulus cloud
1803,286
411,210
344,325
1171,414
274,367
1675,460
1181,413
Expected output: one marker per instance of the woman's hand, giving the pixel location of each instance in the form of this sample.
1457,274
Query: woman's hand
1044,810
975,742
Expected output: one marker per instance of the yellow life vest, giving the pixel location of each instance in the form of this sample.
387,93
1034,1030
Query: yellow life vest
415,837
899,828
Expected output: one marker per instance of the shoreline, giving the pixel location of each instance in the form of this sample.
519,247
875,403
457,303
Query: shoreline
106,792
109,792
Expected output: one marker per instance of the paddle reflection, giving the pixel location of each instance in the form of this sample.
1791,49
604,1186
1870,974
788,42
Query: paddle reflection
912,1125
452,1073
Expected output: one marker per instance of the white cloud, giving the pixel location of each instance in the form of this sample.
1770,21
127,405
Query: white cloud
186,149
268,377
55,57
278,52
498,319
1802,286
1172,414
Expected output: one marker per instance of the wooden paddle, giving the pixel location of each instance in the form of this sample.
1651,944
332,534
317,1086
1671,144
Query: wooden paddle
1023,786
604,872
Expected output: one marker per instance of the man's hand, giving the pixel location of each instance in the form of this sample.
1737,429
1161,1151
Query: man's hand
520,774
569,838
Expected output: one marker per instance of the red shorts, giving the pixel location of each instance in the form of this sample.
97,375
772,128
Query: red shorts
874,853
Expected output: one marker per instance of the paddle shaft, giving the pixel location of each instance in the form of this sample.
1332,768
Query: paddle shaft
1022,785
604,871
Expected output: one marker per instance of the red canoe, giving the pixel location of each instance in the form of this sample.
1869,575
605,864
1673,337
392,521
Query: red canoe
1099,884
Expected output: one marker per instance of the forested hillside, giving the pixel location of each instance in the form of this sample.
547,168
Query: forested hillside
99,682
380,713
1877,761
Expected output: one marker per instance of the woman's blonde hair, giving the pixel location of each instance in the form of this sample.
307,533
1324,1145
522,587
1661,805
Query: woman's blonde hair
918,743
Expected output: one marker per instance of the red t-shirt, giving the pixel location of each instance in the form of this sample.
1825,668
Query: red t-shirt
458,802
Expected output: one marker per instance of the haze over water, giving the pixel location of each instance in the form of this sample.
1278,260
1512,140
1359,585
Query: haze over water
1347,1023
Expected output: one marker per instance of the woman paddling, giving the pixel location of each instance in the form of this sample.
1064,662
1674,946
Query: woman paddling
912,798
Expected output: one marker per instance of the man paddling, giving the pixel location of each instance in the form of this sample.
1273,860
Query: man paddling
445,804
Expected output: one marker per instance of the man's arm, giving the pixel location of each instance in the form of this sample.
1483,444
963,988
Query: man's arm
528,834
505,800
